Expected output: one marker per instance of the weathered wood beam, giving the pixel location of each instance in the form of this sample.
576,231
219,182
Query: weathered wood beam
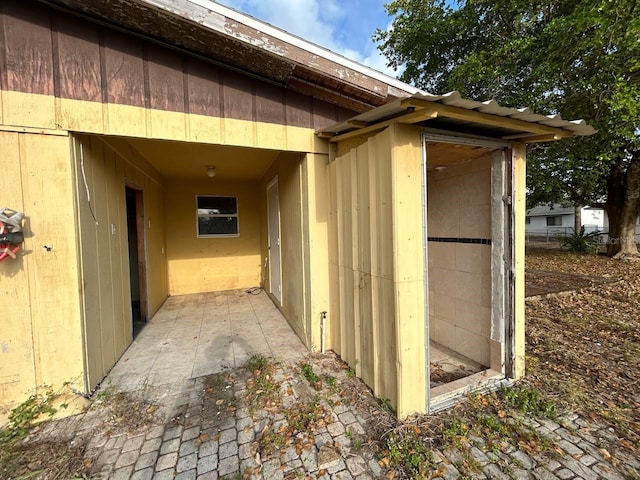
410,118
483,118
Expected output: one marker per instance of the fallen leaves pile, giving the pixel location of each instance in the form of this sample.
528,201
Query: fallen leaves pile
583,348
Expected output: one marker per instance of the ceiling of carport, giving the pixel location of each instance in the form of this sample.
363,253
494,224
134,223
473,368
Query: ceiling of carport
190,160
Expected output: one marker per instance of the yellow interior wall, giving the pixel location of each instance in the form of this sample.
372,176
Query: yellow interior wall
288,168
459,206
107,166
210,264
40,333
376,279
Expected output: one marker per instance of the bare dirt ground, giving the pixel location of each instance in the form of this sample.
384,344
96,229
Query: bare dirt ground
583,348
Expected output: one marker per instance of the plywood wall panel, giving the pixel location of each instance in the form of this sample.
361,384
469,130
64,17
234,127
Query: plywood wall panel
96,368
298,109
290,194
53,274
124,69
324,114
28,49
17,362
107,299
238,98
78,62
376,226
204,88
166,79
103,234
51,54
334,337
270,106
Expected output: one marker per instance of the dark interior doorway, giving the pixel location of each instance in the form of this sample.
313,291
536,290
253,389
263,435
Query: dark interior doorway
137,266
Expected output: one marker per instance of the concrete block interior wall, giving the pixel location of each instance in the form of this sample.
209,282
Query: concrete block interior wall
459,211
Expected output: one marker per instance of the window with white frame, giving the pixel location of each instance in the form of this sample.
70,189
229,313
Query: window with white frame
217,216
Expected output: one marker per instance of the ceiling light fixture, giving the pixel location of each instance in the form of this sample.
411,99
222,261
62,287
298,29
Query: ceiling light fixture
211,171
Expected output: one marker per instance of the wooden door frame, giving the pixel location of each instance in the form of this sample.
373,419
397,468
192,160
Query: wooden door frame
271,184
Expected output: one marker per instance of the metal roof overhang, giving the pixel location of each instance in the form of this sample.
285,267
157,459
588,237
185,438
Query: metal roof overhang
451,112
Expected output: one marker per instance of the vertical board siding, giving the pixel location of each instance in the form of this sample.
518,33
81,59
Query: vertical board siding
290,196
28,49
237,96
287,167
166,79
203,88
43,48
298,109
360,230
105,266
78,60
17,355
95,366
270,105
376,226
124,70
41,341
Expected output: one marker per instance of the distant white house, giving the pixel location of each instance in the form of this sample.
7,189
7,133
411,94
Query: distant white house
553,221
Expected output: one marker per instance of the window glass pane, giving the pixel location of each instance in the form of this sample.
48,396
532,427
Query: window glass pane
217,205
554,221
217,225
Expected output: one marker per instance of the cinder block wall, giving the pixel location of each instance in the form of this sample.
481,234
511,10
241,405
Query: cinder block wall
459,210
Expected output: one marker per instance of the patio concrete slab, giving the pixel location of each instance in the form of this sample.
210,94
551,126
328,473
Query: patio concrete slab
201,334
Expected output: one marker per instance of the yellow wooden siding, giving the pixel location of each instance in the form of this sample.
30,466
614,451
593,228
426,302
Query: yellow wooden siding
41,340
135,171
210,264
519,209
315,188
377,284
17,356
409,281
45,111
107,167
288,168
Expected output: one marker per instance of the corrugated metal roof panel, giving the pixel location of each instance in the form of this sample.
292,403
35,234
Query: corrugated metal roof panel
454,99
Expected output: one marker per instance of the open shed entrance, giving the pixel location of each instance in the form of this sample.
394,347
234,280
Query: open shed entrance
467,256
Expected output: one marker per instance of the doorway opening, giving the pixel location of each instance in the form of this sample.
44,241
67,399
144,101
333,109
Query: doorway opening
465,230
137,263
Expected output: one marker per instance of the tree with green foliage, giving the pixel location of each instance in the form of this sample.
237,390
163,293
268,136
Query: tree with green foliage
577,58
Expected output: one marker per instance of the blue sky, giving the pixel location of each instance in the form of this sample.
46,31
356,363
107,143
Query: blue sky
344,26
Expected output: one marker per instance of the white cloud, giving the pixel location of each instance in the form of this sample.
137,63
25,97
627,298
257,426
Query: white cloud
316,21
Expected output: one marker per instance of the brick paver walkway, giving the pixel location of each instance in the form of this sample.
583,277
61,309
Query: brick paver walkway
205,429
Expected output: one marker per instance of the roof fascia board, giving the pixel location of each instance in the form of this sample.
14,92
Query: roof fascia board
213,17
